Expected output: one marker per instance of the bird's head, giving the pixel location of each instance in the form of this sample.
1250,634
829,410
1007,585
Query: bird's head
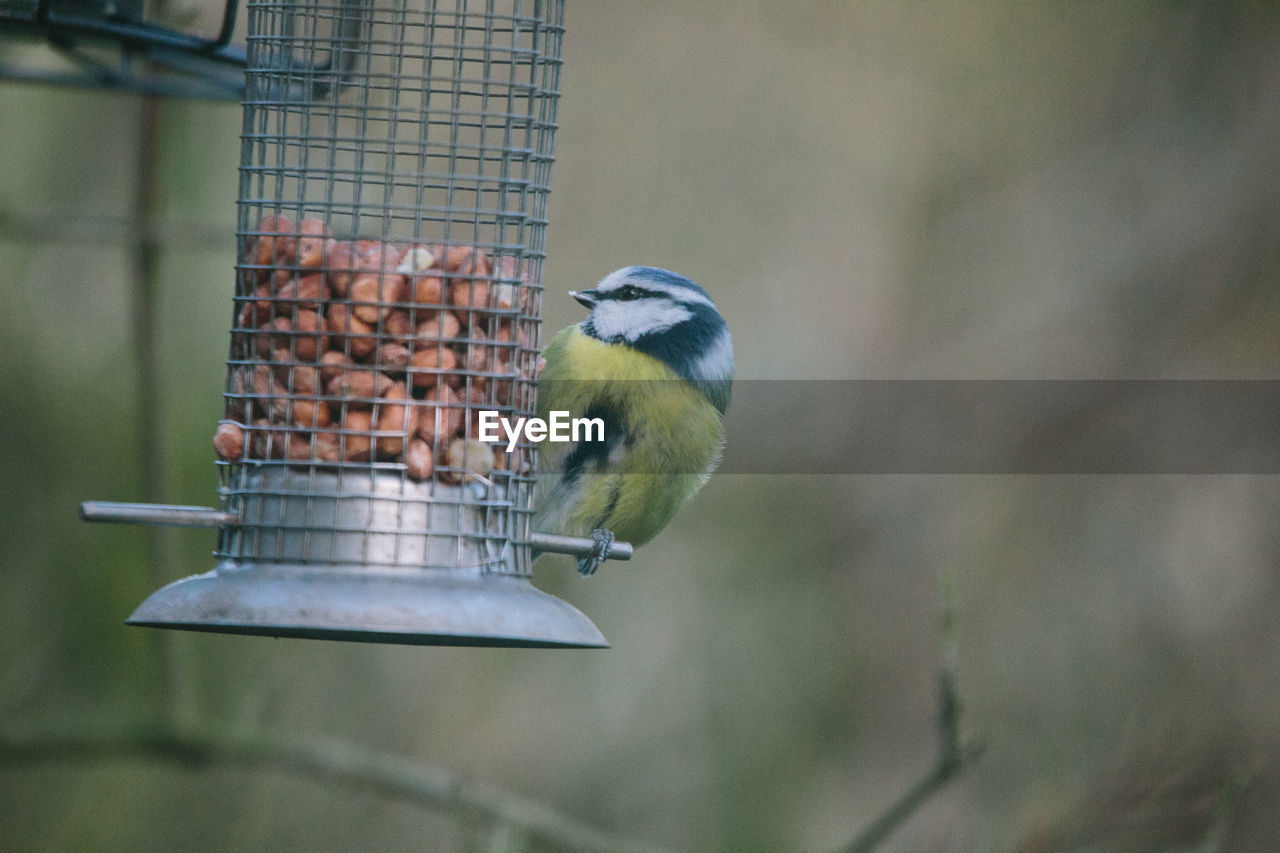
667,316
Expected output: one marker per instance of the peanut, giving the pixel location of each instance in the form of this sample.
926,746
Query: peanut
340,260
262,443
309,413
276,243
331,364
429,363
239,400
306,293
358,336
428,290
444,326
375,255
469,286
441,416
228,440
297,446
475,353
417,459
396,324
356,445
393,357
304,336
337,318
314,234
468,459
372,293
326,446
359,388
296,378
398,418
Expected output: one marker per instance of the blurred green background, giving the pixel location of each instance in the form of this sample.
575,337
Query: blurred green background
878,190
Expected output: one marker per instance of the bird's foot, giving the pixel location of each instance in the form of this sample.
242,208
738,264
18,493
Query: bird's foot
604,545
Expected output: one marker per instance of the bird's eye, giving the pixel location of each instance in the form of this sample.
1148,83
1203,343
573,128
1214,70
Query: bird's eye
627,292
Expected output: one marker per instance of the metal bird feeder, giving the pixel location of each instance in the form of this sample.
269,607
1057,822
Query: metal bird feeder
394,176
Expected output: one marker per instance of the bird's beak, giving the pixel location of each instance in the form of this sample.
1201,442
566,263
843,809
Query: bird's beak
589,298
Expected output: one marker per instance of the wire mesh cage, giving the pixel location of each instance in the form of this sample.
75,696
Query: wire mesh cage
359,361
394,177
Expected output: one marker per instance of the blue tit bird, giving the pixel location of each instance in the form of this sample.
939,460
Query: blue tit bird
653,361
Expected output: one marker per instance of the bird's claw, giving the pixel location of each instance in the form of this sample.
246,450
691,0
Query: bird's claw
604,545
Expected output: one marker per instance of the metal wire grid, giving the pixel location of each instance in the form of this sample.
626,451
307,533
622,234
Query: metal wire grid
394,178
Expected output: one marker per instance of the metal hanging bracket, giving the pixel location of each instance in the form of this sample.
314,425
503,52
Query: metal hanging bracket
170,515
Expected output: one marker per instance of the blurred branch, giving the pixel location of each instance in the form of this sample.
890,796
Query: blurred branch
954,753
327,760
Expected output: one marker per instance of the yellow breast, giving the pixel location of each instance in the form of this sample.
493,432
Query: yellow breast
671,438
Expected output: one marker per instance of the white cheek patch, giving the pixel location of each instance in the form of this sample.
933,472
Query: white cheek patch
717,361
637,318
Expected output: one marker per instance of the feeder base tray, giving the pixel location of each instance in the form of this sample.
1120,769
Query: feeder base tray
422,607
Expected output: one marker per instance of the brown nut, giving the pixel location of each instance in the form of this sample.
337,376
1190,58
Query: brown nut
469,459
339,261
265,339
306,293
523,338
475,353
309,413
228,441
262,440
392,357
281,295
314,233
305,336
469,284
326,446
239,399
506,292
265,386
502,387
444,326
356,442
441,415
283,408
508,268
372,292
376,255
346,330
429,363
396,324
359,388
417,459
396,415
504,461
424,288
297,445
251,313
428,290
331,364
477,401
344,259
296,378
275,245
